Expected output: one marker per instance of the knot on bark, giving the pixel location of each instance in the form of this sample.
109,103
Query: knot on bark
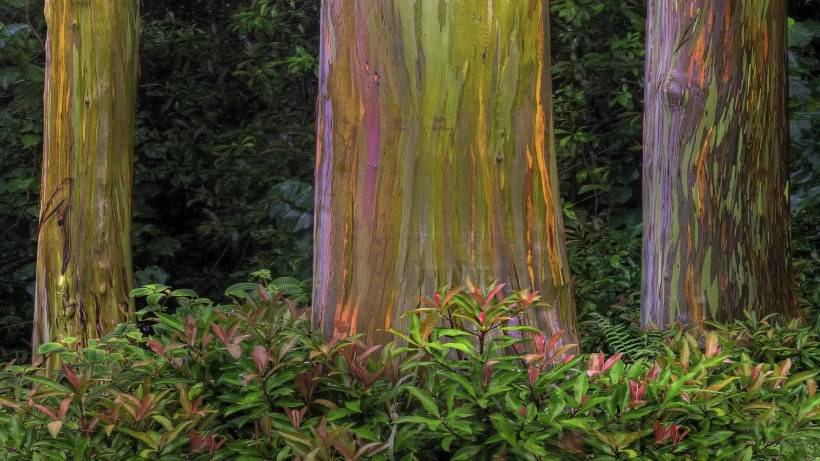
673,91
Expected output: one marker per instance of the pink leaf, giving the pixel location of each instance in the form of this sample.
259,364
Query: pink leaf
612,361
260,358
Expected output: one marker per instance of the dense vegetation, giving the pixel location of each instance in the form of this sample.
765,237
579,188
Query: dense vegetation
223,194
248,381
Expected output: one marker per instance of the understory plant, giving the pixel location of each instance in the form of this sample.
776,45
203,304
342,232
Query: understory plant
247,380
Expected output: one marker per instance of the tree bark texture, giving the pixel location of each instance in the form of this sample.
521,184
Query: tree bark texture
435,160
84,270
716,164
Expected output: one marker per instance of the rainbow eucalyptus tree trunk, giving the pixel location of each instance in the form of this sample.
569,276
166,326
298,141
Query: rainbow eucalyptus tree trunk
435,160
84,249
716,200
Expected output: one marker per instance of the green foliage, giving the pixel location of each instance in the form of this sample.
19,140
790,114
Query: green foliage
597,88
605,263
247,381
766,339
804,114
225,150
21,94
804,185
623,337
806,250
225,140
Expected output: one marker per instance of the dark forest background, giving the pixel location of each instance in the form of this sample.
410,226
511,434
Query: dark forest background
225,147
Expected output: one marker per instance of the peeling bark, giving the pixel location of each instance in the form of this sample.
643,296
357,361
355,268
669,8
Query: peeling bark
84,270
716,164
435,160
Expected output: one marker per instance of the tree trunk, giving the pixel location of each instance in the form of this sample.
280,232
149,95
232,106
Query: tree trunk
435,160
84,246
716,166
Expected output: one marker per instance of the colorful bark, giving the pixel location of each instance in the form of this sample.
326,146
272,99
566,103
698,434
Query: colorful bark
435,160
716,168
84,250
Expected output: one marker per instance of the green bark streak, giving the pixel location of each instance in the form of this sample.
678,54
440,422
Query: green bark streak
84,247
716,235
435,160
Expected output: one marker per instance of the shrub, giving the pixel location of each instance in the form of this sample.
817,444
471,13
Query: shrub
248,381
765,339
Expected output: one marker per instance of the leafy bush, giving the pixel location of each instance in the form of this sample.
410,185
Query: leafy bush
766,339
248,381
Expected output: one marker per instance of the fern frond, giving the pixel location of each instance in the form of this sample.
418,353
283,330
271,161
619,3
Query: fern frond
620,338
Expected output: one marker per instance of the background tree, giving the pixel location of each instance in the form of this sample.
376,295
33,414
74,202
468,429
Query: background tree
716,163
435,160
84,246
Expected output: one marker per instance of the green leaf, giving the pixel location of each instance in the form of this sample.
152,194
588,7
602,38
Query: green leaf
639,413
808,406
354,406
714,438
505,429
142,291
576,423
240,290
426,400
296,439
149,438
338,413
154,299
459,347
467,453
616,372
452,332
20,184
165,422
413,329
580,387
798,378
591,403
170,321
48,383
50,348
673,390
287,285
461,380
433,424
29,140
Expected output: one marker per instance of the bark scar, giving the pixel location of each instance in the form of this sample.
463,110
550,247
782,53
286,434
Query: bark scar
673,91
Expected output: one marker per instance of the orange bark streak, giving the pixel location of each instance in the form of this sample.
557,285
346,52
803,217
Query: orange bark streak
530,219
541,155
697,57
700,168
